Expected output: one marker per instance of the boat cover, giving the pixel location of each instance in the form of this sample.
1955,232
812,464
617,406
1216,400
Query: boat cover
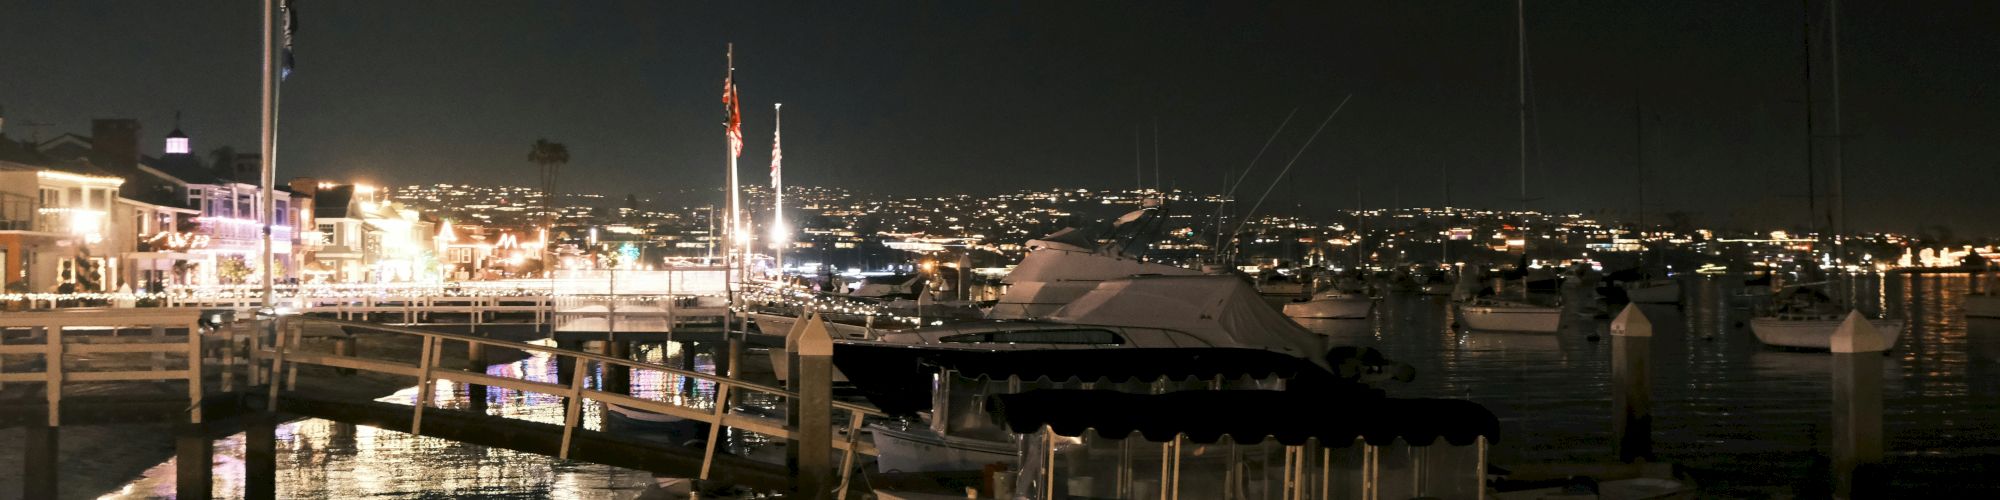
898,378
1336,418
1221,310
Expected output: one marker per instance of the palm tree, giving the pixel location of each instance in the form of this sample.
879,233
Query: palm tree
549,157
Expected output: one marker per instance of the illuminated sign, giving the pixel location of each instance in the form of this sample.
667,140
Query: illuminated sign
178,242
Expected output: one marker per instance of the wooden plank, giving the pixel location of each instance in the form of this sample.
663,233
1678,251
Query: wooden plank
125,375
663,407
178,347
24,377
363,364
504,383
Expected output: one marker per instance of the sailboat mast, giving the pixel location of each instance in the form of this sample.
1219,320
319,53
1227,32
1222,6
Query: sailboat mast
1839,170
1444,240
1812,140
1521,91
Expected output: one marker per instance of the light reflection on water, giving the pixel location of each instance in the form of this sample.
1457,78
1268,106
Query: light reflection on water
325,459
1748,419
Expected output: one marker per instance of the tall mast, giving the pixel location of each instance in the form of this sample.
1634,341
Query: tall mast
1444,242
1812,140
1521,91
1839,171
268,149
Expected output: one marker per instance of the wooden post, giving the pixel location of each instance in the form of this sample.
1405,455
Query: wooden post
194,460
260,455
1857,401
1632,385
345,346
40,474
618,378
810,416
790,373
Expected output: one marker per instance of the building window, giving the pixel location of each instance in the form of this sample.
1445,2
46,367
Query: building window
326,234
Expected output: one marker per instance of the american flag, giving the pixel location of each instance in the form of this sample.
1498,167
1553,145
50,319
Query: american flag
291,26
734,115
777,159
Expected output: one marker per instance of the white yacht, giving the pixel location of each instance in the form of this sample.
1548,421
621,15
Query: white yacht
1803,318
1507,316
1153,323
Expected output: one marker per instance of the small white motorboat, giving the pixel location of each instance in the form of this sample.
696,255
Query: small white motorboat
1982,305
1331,305
1815,331
1505,316
1654,292
920,449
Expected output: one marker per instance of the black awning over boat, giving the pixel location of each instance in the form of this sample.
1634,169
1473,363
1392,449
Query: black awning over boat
1336,418
897,378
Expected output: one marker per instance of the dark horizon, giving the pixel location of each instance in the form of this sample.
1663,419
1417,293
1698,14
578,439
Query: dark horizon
929,99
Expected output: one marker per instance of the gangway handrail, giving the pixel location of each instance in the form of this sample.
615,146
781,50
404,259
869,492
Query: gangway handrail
427,370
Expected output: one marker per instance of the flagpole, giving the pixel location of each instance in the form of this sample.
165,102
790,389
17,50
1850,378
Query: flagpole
735,225
778,229
269,147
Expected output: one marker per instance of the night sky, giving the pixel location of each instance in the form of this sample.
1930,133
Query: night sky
936,97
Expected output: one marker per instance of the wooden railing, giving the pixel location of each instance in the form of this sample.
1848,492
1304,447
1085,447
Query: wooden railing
285,355
54,346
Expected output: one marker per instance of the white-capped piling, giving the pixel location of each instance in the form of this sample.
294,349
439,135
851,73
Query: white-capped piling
1632,385
809,415
1857,400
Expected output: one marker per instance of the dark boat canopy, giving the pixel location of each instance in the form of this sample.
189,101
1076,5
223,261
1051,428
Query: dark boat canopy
897,378
1336,418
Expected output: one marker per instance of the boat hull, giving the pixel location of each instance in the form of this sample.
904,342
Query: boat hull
920,450
1817,334
1511,318
1982,306
1668,293
1331,308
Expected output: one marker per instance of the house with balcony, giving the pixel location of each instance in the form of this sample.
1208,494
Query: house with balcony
56,231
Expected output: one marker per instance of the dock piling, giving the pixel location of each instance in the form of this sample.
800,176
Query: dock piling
1632,389
618,378
39,475
260,455
810,415
1857,400
194,459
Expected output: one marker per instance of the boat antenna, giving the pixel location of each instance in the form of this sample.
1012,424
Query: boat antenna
1230,193
1288,168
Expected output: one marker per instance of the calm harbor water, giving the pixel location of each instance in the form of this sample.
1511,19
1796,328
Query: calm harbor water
1746,420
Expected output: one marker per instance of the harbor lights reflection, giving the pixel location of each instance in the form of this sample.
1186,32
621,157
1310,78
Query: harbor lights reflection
326,459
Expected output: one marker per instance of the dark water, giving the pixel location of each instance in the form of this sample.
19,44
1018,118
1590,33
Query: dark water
1746,420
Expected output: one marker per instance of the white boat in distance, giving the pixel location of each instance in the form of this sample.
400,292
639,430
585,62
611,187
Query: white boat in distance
1815,331
1331,305
1504,316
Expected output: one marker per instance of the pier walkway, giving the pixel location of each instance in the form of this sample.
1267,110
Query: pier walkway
81,366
